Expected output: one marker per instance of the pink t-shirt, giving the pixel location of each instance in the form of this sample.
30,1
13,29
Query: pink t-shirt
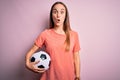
62,63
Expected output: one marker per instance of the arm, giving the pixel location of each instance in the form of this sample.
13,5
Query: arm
29,54
77,65
30,65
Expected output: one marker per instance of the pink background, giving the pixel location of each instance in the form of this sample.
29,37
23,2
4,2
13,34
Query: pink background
96,21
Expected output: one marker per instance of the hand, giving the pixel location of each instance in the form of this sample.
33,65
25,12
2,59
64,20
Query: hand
77,78
31,66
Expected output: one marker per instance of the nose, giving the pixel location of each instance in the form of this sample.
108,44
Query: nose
58,15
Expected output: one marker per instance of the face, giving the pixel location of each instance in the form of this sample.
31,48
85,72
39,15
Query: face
58,14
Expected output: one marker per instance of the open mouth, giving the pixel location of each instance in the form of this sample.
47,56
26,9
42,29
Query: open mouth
58,20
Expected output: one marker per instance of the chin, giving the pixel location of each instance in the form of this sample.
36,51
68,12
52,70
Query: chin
58,24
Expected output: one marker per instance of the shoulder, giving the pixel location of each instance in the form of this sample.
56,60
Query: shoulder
73,33
46,31
44,34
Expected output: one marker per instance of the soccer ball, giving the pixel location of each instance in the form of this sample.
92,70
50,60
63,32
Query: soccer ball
44,59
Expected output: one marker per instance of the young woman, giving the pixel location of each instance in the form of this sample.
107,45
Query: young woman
62,44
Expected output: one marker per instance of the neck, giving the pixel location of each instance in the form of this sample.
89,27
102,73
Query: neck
59,29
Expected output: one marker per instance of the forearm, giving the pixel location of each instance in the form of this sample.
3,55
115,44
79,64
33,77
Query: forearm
30,52
77,64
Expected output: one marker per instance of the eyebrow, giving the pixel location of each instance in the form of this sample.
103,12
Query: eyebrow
61,9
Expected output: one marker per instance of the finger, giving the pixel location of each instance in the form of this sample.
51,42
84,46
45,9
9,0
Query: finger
36,68
39,70
36,62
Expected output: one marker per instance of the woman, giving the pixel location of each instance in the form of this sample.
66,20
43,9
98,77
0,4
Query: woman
62,44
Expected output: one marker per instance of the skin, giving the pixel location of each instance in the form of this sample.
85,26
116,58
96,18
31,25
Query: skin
77,64
58,16
31,65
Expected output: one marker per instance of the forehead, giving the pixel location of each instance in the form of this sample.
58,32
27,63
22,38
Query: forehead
58,7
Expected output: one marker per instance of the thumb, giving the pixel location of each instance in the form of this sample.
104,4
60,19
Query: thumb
36,62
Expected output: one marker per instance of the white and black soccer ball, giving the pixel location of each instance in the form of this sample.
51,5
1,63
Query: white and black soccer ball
44,59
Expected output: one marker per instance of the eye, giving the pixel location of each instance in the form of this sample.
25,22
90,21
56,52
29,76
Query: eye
54,12
62,12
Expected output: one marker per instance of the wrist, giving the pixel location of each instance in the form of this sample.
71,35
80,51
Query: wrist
77,78
28,64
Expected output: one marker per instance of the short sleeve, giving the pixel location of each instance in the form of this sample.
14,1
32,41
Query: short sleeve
76,44
40,39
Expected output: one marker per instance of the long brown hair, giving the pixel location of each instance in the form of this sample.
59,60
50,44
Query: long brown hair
66,26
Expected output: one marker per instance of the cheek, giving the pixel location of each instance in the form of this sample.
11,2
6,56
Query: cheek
53,17
63,17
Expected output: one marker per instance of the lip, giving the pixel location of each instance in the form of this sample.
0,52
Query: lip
58,20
